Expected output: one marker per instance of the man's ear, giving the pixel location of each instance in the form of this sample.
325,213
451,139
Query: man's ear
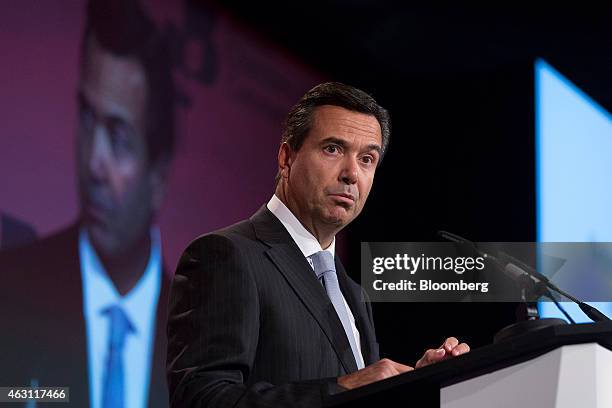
286,156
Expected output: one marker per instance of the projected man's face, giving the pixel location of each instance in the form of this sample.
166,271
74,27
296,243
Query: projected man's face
330,176
119,190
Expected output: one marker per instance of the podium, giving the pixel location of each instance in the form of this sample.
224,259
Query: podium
555,367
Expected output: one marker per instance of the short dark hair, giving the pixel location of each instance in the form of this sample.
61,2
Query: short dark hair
123,28
299,120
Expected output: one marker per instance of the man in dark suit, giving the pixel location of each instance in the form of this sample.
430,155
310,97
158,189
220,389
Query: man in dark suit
14,232
46,337
86,307
262,313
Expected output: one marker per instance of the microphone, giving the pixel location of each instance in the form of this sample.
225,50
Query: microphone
528,276
511,270
526,282
588,310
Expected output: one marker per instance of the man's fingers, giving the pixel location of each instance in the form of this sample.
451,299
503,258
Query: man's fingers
450,348
449,344
394,367
401,368
431,356
436,355
460,349
380,370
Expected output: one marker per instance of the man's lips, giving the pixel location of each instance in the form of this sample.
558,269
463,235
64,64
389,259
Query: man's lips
96,213
349,198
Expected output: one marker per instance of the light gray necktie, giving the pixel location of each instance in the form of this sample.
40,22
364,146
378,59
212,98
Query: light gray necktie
324,266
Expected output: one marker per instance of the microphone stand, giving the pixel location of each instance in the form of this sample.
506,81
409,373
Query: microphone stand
533,285
527,316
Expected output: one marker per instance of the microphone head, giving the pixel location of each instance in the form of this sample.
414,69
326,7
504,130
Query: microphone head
449,236
514,271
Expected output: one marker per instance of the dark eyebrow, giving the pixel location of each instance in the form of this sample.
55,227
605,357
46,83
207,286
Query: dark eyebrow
376,148
334,140
342,144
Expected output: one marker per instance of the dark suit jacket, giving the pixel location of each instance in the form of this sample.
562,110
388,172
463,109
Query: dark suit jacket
250,325
42,312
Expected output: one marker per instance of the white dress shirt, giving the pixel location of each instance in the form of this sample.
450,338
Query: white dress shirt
309,245
139,305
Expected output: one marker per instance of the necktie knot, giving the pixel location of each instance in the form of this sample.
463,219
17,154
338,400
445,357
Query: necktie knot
323,263
120,326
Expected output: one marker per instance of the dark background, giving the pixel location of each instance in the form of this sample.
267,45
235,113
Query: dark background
459,86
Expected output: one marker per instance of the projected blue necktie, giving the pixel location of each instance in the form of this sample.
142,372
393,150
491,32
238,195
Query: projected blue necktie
324,266
113,391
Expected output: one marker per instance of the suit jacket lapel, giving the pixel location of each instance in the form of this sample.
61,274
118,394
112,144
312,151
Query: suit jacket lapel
290,261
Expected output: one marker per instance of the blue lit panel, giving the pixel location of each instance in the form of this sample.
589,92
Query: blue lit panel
573,169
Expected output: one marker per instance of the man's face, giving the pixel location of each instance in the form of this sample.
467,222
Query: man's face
119,190
330,176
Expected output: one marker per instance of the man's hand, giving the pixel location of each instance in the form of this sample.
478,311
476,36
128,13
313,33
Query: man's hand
380,370
386,368
450,348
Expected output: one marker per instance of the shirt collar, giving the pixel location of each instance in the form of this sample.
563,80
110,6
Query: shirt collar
101,292
307,243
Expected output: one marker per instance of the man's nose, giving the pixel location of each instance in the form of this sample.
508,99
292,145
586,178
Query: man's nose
99,154
349,171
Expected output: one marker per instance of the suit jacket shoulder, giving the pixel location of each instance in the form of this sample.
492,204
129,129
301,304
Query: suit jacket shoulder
249,323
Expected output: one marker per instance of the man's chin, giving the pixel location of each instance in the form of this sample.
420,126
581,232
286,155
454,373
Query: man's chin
339,216
102,241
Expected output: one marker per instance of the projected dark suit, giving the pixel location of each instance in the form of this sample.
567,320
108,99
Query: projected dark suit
44,334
